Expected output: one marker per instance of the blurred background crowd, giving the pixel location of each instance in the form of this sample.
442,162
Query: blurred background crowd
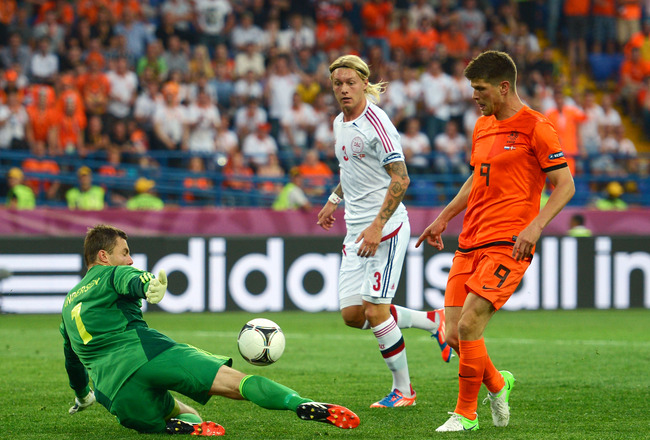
146,104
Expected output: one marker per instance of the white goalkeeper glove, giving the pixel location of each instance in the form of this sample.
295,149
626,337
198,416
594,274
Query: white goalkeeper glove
82,403
157,288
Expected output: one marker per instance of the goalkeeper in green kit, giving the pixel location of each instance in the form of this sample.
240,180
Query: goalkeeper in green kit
133,367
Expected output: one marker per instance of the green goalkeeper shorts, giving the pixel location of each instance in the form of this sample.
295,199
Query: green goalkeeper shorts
144,402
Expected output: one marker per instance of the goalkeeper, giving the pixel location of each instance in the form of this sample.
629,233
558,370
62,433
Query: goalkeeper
133,367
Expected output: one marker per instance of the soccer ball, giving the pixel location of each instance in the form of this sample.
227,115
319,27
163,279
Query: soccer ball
261,342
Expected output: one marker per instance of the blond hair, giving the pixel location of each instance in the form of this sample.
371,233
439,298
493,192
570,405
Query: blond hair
358,65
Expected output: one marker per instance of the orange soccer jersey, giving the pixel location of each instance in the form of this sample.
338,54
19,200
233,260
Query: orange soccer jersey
509,159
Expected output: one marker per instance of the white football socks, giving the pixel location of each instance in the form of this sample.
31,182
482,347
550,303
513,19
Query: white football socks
391,344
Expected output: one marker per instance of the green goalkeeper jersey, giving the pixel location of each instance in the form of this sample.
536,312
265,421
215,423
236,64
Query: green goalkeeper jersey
104,332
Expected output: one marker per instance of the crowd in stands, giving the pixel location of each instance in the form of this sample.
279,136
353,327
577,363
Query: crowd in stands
220,102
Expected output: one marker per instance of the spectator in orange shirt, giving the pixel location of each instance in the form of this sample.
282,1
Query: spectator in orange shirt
315,173
42,117
138,138
68,131
94,86
63,10
89,9
403,36
7,14
631,75
454,40
426,35
117,8
69,90
38,162
332,33
238,180
640,40
197,181
566,118
375,16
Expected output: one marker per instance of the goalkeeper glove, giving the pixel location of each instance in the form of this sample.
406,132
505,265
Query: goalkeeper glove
81,403
157,288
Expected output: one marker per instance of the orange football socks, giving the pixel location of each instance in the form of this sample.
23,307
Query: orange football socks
470,376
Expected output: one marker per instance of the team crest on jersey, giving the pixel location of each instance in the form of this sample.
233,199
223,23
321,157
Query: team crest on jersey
357,147
512,138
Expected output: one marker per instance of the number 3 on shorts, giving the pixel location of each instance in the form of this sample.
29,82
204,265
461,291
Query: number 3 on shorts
377,284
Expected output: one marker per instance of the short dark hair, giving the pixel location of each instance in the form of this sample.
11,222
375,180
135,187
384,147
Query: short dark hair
492,66
101,237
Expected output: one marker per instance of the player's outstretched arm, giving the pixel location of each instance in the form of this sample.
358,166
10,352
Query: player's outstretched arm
433,233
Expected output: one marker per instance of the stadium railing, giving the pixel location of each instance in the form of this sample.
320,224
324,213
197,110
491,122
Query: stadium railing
428,189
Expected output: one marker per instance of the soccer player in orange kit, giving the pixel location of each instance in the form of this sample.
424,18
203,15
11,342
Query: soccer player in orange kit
514,150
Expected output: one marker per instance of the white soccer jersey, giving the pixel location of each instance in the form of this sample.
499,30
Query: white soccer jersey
363,147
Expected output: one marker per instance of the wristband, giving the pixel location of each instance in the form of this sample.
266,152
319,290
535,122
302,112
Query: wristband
334,198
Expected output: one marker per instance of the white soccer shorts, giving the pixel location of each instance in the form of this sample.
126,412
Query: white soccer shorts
373,279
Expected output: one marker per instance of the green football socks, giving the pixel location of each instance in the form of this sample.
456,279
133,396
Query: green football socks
268,394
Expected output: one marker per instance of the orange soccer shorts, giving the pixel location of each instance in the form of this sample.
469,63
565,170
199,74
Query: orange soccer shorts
489,272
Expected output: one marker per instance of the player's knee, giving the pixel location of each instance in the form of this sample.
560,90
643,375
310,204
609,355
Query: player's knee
226,383
375,314
352,318
372,314
354,322
466,327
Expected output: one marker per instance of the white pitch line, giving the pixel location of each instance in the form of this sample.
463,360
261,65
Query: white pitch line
366,335
180,335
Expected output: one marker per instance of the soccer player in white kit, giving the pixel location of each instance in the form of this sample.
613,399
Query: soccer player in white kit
374,180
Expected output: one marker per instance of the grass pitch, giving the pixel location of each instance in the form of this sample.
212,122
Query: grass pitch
580,375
